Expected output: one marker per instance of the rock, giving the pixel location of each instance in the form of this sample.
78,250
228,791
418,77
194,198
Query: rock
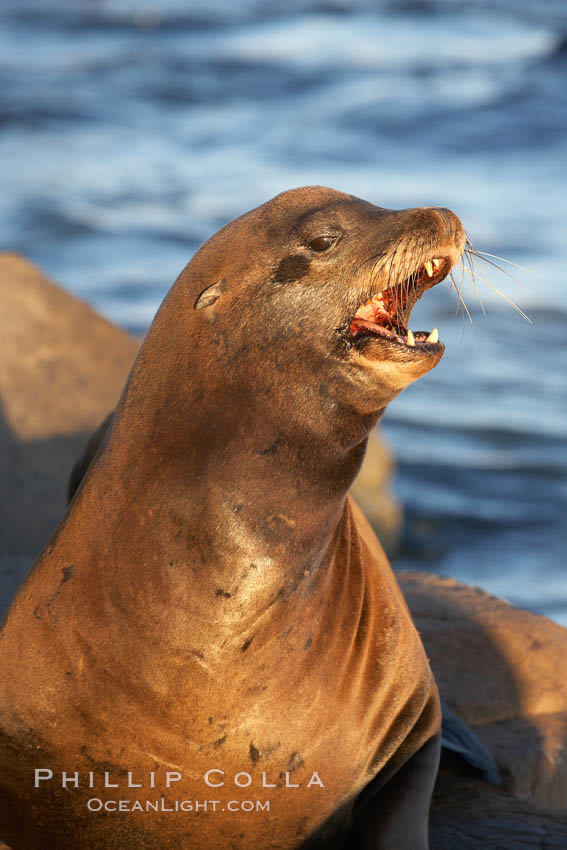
466,816
371,491
63,365
62,368
503,671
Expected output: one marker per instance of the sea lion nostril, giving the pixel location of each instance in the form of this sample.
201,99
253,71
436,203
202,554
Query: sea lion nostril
454,230
445,215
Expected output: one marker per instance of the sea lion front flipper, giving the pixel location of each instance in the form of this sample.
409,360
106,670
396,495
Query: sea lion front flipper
394,815
459,738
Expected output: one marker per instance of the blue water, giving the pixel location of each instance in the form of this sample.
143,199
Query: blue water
131,131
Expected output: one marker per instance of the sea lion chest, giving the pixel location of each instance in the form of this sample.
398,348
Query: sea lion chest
301,713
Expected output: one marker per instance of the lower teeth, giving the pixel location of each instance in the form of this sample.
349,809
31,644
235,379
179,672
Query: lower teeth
420,336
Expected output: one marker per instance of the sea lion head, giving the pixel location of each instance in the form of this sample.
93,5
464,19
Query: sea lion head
298,311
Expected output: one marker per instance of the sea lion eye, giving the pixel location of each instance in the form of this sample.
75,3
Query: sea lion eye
322,243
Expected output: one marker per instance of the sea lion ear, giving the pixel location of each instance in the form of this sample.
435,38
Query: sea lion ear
210,295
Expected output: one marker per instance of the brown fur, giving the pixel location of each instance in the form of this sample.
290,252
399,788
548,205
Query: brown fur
212,598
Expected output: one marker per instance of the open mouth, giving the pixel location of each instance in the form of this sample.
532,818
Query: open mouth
387,313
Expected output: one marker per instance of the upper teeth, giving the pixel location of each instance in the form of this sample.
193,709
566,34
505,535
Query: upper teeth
432,266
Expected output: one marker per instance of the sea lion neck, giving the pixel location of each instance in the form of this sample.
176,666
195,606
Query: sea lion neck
212,486
226,467
245,417
248,523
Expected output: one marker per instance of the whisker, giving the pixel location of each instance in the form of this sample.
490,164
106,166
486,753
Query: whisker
482,254
455,286
471,272
462,305
373,258
393,257
495,266
488,283
405,275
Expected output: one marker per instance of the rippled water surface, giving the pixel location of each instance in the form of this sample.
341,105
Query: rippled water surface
131,131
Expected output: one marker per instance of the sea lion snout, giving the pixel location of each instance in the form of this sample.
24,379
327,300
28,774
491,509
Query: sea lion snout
445,229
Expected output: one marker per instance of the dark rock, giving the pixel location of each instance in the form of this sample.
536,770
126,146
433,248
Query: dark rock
62,369
502,670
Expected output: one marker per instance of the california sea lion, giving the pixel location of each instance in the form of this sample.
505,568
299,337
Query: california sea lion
212,600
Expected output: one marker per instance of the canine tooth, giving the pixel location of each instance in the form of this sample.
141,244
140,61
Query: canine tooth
411,338
436,263
429,268
433,336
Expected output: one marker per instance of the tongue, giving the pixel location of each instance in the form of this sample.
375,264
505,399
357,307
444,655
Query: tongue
374,320
374,312
357,325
